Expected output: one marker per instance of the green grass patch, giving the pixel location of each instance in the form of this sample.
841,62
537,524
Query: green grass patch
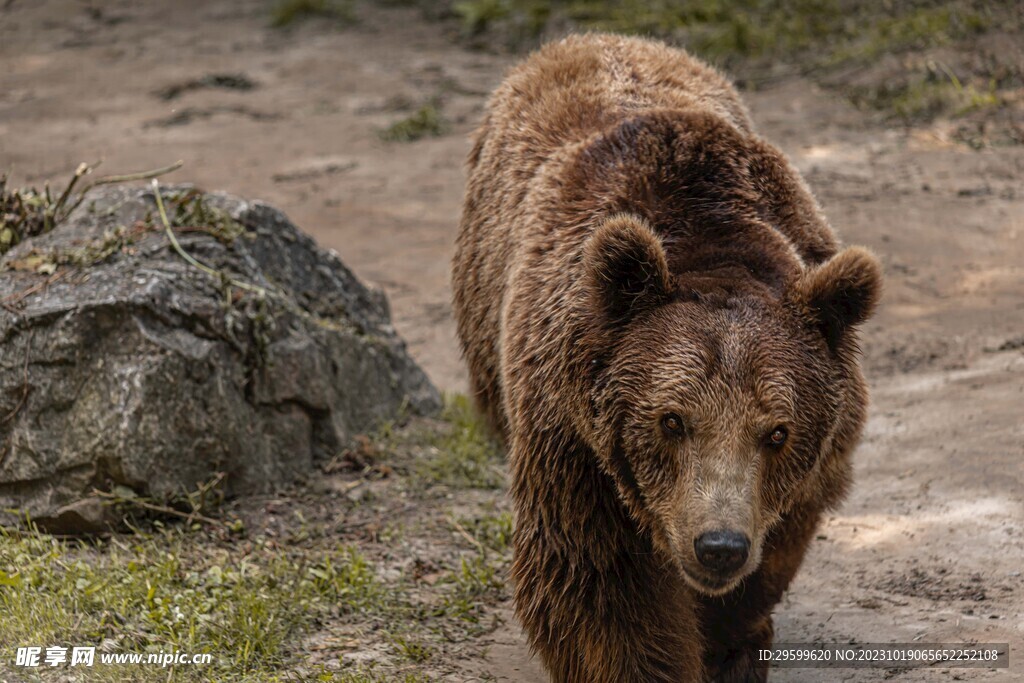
163,592
927,96
728,29
474,583
425,122
371,675
493,532
716,28
463,456
288,12
910,28
411,649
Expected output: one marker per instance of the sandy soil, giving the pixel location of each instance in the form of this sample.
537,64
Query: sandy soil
930,545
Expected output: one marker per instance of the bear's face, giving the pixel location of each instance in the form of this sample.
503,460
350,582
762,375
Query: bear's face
721,414
716,412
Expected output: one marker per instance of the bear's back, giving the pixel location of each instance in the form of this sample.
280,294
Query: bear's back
570,90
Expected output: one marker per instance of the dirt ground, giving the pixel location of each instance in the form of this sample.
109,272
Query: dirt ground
930,545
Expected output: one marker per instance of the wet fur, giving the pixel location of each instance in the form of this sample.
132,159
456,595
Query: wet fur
622,223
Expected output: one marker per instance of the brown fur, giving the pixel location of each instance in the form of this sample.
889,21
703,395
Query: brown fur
629,248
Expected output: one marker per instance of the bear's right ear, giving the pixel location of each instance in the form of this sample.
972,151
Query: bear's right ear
626,267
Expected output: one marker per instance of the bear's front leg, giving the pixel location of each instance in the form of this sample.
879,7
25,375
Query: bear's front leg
739,624
593,625
741,664
598,604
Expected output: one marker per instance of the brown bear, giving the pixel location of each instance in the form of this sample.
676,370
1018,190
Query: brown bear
659,322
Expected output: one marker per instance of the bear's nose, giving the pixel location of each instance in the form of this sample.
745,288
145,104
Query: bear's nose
722,551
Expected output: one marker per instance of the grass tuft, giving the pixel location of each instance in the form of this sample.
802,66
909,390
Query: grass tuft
288,12
27,212
371,675
412,650
427,121
191,209
939,91
493,532
465,455
473,583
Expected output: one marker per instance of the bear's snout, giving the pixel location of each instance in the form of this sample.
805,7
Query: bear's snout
723,552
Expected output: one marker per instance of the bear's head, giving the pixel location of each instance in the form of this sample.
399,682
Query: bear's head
716,413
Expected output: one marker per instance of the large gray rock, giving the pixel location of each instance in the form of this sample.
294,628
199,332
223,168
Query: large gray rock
122,365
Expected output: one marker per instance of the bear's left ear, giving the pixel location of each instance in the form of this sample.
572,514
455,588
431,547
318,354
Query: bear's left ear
840,293
626,267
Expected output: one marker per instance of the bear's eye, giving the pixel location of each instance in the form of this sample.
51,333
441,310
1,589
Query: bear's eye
777,437
672,424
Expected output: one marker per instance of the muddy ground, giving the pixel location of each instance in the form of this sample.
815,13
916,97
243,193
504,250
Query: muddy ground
930,545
